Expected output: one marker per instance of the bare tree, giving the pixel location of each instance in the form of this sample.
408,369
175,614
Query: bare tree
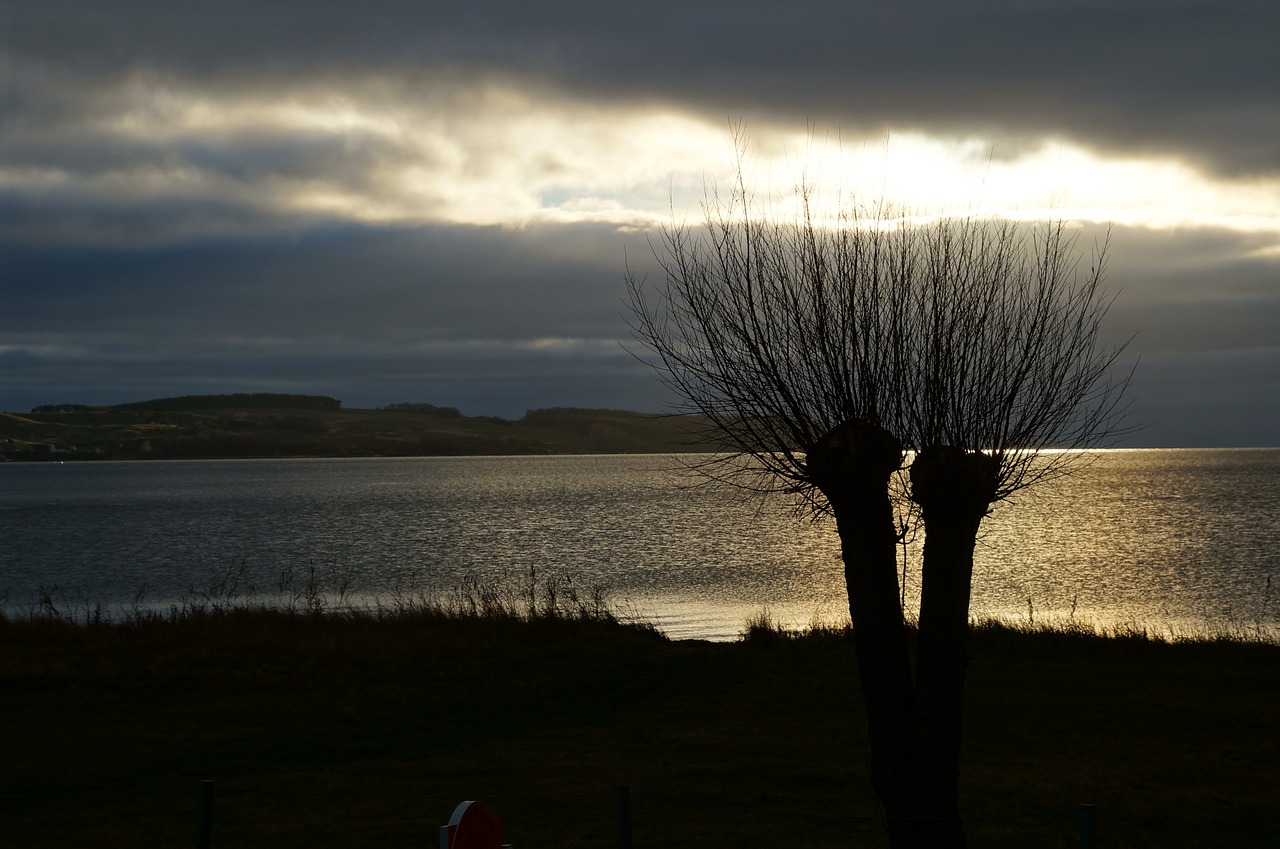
830,355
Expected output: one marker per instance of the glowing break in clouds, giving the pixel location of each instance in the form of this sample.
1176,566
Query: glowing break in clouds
486,152
1055,179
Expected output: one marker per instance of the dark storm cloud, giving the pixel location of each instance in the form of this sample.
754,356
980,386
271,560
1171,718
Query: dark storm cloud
1212,399
497,321
1197,80
413,284
1199,310
492,320
69,217
1195,290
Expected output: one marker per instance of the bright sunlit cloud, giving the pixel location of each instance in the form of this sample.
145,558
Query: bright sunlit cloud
1056,180
491,153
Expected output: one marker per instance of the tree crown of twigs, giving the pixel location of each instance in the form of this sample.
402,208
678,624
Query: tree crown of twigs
973,333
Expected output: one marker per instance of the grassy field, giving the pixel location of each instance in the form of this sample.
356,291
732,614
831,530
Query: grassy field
366,730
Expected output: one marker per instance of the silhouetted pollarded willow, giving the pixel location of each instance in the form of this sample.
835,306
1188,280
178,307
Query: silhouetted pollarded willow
884,369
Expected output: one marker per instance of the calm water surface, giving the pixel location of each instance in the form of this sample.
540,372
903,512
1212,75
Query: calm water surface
1176,539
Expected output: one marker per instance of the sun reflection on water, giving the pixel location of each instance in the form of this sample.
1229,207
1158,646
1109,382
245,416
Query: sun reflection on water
1165,539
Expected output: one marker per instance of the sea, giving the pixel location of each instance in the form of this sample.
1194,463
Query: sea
1177,542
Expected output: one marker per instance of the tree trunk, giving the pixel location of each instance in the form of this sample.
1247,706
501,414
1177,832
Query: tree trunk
914,728
852,466
954,489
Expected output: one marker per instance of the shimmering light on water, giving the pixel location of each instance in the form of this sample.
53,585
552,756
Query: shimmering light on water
1182,538
1168,538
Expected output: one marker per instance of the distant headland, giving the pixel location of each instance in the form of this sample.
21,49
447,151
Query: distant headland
247,425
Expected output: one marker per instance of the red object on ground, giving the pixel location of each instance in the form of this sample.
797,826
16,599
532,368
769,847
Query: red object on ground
472,826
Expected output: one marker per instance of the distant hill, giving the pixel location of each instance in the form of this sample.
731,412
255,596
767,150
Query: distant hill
274,425
238,401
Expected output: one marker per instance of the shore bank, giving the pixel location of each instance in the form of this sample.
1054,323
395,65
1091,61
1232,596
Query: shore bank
366,730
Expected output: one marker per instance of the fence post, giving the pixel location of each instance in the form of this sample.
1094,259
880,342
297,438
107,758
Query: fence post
622,810
1088,818
204,816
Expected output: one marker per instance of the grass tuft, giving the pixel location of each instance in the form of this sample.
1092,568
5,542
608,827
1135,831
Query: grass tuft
546,598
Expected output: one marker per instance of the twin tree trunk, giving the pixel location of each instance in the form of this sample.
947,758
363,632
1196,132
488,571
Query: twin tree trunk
914,723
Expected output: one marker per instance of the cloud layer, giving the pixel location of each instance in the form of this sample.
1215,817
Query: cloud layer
392,201
1194,80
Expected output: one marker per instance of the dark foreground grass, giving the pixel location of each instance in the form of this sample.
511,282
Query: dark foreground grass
365,730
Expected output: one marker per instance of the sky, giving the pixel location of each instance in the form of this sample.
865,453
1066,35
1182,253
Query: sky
392,201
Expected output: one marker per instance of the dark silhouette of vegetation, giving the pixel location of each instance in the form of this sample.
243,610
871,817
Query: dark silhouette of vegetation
364,728
236,401
425,409
63,408
424,430
851,357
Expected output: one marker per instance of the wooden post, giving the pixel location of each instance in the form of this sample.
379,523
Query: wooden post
1088,820
204,816
622,810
